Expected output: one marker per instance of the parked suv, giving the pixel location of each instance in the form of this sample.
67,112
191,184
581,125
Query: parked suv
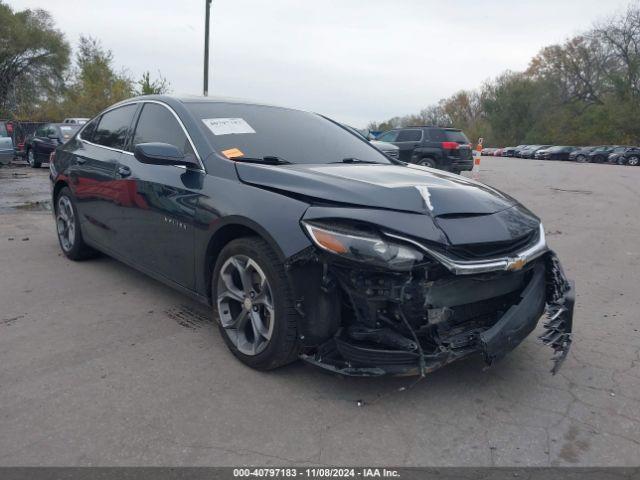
436,147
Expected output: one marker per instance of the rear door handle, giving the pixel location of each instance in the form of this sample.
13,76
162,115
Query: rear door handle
124,171
81,160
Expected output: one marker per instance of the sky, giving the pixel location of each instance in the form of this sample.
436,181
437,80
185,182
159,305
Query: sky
352,60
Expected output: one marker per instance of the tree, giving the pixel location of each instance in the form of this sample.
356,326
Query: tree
156,87
95,84
33,59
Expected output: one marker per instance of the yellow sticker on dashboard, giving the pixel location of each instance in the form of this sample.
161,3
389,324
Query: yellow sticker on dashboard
233,153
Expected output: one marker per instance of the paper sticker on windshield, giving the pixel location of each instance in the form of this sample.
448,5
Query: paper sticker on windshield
233,153
228,126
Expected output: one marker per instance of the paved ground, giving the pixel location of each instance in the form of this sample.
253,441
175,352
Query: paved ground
100,365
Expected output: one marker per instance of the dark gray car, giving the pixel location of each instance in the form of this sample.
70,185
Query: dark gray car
305,240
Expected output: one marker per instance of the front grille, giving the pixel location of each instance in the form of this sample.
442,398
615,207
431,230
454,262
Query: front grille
478,251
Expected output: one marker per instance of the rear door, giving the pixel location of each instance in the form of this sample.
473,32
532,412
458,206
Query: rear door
407,141
96,183
161,200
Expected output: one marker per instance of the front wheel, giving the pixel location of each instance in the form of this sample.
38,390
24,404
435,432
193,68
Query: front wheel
31,159
253,304
633,161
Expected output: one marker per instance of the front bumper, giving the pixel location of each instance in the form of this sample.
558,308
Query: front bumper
547,291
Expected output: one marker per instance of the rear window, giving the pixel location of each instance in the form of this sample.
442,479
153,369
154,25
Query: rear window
456,136
256,131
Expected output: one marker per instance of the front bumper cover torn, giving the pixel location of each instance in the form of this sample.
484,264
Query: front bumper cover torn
559,312
548,292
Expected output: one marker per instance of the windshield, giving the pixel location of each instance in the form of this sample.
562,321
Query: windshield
256,131
456,136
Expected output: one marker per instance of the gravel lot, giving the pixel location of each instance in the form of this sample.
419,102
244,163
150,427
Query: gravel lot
100,365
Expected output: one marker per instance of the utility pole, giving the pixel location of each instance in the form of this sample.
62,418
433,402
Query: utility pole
206,47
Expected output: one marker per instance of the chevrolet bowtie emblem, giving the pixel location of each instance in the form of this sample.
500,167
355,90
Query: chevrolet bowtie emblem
516,263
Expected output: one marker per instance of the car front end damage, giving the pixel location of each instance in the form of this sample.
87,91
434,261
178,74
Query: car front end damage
374,301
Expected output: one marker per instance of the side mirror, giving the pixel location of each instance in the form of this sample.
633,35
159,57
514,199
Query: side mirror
161,154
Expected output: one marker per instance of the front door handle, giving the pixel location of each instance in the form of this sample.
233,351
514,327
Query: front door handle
81,160
124,171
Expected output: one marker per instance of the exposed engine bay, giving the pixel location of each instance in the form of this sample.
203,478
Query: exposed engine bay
370,320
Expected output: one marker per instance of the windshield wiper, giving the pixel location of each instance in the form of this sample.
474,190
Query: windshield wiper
357,160
267,159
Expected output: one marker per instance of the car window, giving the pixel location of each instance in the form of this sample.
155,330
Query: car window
40,131
254,131
114,126
3,130
88,131
458,136
389,136
409,136
157,124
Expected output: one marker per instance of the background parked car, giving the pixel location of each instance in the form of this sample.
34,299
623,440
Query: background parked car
558,152
531,150
580,154
436,147
498,152
45,140
517,151
617,153
509,151
6,144
631,157
600,154
389,149
76,120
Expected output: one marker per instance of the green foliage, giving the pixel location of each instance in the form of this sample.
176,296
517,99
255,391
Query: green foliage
95,84
585,91
38,81
146,86
33,59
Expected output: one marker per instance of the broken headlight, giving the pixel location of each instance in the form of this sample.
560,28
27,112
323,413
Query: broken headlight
363,245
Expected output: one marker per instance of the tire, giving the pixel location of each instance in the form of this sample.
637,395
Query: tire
31,159
427,162
68,227
274,315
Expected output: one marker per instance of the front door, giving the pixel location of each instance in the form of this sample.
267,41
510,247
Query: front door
158,214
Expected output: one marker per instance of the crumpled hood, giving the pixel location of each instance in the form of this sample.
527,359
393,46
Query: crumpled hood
410,188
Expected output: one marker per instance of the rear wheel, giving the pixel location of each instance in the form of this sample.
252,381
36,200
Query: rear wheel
253,304
31,158
633,161
427,162
68,227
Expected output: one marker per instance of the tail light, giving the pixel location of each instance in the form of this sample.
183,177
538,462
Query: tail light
450,145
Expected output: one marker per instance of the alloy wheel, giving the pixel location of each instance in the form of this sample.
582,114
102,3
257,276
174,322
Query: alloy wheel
245,304
66,223
633,161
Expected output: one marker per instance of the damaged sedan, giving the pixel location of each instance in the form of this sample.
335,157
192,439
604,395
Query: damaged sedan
305,240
